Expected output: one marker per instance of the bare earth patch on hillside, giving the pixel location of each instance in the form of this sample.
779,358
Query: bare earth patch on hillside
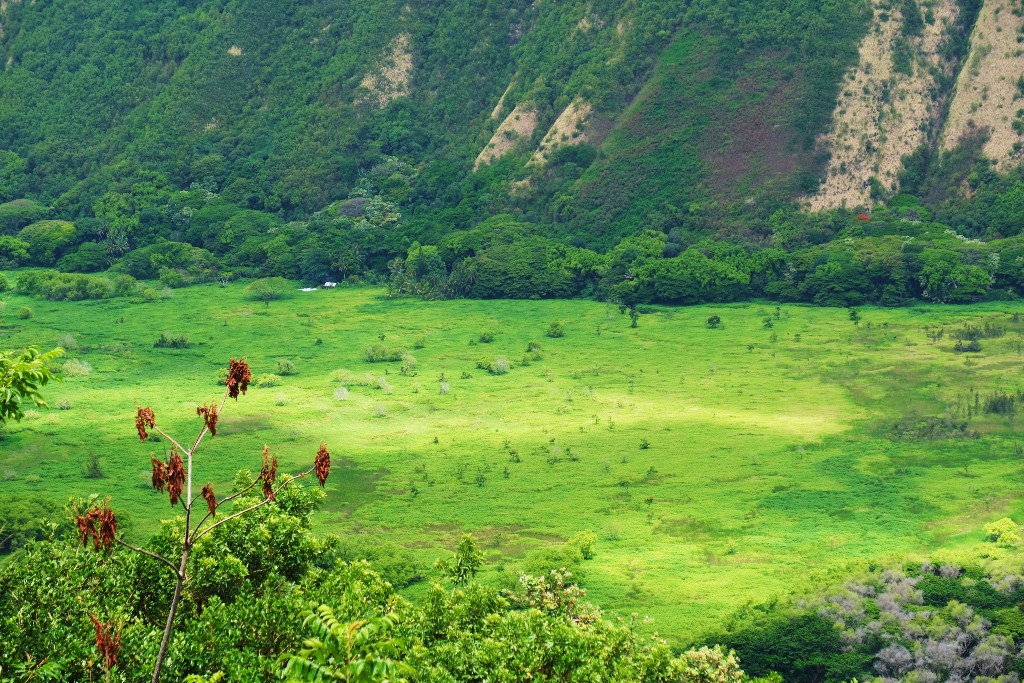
518,125
570,128
883,114
987,95
393,76
500,106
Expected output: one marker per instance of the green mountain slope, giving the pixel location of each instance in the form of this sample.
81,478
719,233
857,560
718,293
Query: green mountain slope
270,101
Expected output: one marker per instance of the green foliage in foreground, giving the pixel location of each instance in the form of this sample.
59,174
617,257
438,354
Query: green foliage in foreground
264,588
22,377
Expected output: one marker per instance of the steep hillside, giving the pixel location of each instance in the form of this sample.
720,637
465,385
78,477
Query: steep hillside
279,107
888,104
990,90
591,120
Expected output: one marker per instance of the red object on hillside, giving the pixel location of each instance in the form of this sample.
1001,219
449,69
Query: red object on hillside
864,217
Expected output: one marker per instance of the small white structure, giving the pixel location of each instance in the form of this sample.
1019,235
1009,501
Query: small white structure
330,284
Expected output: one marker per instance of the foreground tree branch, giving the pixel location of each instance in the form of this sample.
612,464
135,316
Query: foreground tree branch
175,476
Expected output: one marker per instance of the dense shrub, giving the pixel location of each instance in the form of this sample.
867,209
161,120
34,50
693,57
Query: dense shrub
167,341
267,289
379,353
64,286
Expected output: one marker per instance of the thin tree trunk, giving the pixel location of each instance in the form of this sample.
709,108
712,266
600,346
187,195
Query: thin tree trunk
170,616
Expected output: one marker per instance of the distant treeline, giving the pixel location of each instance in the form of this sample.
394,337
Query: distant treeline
890,257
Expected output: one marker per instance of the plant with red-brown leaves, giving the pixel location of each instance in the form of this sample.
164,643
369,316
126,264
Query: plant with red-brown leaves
322,464
100,524
144,418
108,643
160,470
210,498
176,476
238,377
268,473
209,414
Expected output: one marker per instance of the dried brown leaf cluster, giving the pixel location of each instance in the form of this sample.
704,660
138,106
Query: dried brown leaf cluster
268,473
211,499
238,377
100,524
160,471
144,417
175,477
108,642
322,463
209,414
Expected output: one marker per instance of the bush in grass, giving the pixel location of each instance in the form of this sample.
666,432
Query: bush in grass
67,342
24,313
380,410
91,467
584,543
486,337
343,375
384,385
555,330
379,353
1003,532
266,289
543,561
4,284
267,380
533,347
166,341
714,321
497,366
285,367
341,393
409,364
76,368
125,285
64,286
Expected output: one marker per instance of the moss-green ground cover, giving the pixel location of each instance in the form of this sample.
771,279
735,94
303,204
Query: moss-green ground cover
771,450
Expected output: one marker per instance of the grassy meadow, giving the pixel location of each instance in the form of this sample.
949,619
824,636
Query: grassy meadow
716,466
